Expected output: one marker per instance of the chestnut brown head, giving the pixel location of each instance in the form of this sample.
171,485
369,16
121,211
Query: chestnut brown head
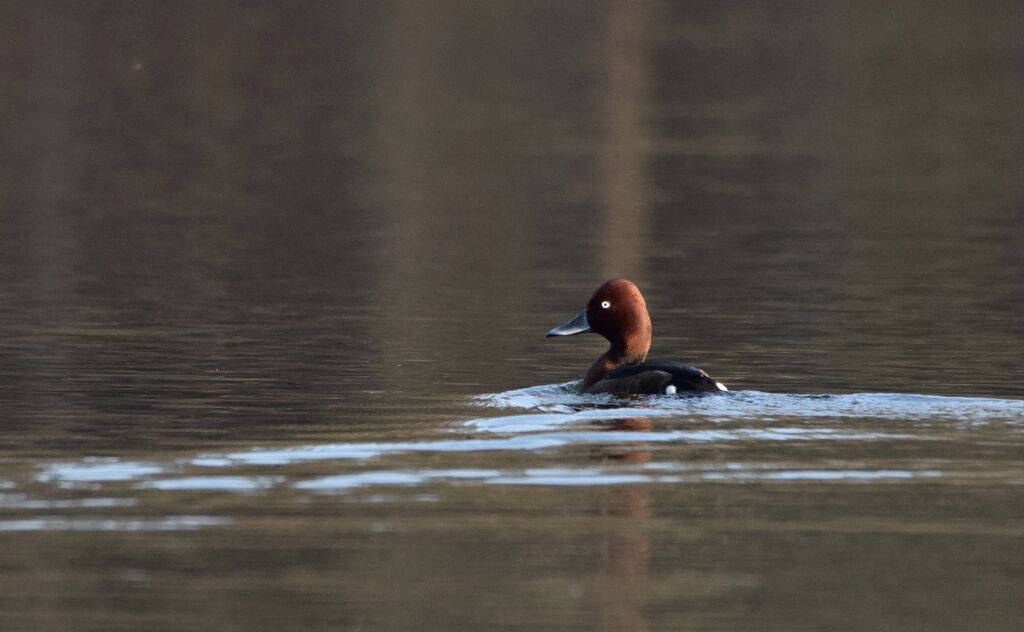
617,311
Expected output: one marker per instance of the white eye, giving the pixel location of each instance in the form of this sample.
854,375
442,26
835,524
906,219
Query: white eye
605,304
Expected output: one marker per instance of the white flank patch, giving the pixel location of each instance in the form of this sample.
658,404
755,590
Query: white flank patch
721,386
670,390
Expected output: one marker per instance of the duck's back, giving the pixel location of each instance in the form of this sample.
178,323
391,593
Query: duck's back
652,378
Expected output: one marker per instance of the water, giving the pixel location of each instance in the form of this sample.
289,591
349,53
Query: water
275,282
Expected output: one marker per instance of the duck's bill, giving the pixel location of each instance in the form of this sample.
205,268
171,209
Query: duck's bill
578,325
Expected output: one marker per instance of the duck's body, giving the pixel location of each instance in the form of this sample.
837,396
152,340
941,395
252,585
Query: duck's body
618,312
656,377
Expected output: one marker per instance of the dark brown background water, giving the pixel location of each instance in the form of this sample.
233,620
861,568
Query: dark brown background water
228,227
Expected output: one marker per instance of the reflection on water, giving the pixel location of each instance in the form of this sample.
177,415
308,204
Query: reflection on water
561,398
275,281
625,436
171,523
701,500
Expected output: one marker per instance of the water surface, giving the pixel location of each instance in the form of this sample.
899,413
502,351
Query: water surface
275,282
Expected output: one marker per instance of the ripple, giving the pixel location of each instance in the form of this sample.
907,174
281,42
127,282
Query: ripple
561,477
171,523
97,470
22,501
393,478
362,451
213,483
656,474
561,399
558,418
530,442
819,475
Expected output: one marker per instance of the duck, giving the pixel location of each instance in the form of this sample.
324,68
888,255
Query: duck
618,312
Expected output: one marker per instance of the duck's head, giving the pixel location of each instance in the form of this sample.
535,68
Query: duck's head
617,311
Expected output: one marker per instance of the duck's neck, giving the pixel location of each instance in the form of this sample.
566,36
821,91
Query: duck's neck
620,354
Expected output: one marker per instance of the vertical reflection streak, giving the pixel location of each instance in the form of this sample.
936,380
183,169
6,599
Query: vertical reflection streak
625,227
621,584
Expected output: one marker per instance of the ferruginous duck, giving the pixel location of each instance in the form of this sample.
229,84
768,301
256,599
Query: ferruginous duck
618,312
